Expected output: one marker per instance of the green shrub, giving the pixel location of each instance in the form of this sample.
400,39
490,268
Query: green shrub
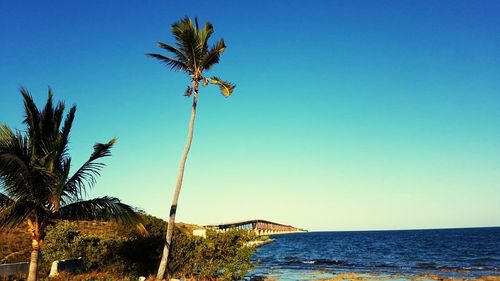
59,240
224,255
64,241
220,255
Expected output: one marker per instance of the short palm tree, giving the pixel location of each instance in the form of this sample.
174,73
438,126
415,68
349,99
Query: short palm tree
193,56
35,182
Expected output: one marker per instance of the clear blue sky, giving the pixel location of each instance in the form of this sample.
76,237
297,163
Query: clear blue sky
347,115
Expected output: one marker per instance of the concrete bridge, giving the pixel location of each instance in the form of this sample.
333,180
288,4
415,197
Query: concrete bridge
260,227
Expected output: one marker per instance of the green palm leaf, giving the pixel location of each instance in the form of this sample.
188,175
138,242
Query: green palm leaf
64,138
204,34
6,135
188,41
105,208
178,54
15,162
226,88
32,115
192,53
172,63
85,177
212,57
5,201
15,213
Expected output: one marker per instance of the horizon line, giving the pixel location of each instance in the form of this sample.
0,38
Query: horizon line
406,229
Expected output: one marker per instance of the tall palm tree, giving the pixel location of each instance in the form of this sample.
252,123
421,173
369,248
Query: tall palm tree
35,182
192,55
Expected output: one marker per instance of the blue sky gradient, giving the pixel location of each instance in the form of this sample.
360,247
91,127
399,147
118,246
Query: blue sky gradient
347,114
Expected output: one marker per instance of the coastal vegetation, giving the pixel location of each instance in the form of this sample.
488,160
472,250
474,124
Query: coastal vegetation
36,186
219,256
193,56
111,252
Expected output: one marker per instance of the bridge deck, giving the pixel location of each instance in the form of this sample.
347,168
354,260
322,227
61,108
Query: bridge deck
260,227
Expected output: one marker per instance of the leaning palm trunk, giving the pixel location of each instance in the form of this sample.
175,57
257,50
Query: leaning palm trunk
173,209
193,56
33,269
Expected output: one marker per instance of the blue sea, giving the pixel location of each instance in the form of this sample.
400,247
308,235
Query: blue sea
460,253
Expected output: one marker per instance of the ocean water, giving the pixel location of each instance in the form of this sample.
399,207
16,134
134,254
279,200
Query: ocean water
460,253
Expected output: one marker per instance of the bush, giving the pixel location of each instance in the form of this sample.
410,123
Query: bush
182,256
58,241
64,241
103,251
218,256
223,255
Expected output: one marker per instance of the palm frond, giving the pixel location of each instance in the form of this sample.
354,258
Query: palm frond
188,41
185,34
47,115
212,56
53,123
104,208
57,118
178,54
13,215
102,149
14,176
68,122
43,131
32,115
85,176
6,135
15,162
64,139
226,88
46,148
5,201
59,196
49,145
191,52
172,63
204,34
